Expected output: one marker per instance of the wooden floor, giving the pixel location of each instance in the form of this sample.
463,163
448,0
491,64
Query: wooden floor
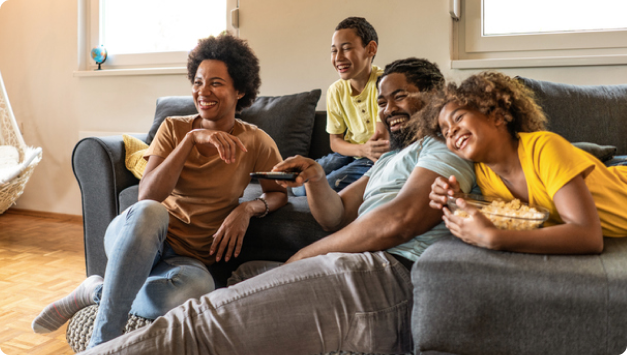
41,260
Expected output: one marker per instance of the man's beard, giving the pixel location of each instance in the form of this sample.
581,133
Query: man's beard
402,137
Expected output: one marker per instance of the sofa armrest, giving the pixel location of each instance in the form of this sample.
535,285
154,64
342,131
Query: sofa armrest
98,165
477,301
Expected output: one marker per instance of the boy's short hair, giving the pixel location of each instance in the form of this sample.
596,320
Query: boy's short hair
363,29
425,75
241,62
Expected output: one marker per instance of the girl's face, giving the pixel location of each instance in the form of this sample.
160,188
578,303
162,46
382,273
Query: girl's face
213,92
469,133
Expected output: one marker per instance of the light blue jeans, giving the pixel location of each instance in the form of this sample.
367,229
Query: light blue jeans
144,276
340,171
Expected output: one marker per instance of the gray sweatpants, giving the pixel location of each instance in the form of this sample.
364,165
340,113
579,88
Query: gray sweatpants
352,302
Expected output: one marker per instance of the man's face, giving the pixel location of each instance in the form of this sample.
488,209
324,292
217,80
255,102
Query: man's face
398,100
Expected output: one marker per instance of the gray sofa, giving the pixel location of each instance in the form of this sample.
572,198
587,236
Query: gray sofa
467,300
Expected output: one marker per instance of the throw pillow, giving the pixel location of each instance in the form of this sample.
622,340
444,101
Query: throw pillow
288,119
135,149
603,153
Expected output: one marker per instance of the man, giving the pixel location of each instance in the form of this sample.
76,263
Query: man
351,290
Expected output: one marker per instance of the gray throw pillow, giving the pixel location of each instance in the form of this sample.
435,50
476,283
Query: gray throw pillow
288,119
603,153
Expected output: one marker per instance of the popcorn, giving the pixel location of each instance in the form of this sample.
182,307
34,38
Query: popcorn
512,215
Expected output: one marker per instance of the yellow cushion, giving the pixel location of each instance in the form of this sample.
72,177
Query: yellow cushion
135,149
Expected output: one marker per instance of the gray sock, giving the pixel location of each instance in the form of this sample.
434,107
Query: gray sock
56,314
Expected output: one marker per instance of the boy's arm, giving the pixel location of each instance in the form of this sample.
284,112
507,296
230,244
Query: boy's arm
372,149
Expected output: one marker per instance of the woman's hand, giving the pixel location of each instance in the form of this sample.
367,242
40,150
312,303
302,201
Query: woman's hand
225,143
310,171
476,229
230,235
441,189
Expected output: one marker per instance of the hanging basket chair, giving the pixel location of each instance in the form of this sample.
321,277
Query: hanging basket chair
17,161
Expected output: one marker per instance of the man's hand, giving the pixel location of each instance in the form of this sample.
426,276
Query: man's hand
310,171
375,146
441,189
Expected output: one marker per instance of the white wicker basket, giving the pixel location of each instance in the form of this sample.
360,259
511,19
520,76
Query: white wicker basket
13,178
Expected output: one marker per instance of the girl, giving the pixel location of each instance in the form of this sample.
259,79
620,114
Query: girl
493,120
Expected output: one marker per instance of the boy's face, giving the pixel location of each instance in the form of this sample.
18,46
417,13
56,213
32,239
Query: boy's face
349,57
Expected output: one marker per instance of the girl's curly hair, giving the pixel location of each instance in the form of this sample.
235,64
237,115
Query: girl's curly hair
240,60
487,92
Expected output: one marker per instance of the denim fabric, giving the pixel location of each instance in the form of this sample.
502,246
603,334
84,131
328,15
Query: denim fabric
340,170
144,275
358,302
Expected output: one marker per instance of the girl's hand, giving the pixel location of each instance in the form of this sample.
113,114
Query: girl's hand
441,189
309,169
476,229
230,235
225,143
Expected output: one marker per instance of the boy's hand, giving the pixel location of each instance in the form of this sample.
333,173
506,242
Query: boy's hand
375,146
441,189
310,171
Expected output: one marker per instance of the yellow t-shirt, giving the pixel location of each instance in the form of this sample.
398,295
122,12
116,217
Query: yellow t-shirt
208,189
549,162
353,116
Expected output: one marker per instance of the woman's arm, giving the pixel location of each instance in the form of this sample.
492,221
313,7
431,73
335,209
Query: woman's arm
230,236
161,174
580,233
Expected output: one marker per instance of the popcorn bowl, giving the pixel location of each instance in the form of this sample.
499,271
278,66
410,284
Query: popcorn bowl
513,215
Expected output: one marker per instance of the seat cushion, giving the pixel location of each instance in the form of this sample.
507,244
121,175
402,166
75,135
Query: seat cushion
288,119
478,301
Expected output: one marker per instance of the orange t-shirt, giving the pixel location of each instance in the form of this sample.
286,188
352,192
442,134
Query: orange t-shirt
208,189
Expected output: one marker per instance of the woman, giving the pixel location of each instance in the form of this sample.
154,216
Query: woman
188,215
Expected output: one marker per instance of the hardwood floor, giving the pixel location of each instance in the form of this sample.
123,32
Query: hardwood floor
41,260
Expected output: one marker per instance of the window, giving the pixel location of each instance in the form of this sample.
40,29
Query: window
154,33
551,32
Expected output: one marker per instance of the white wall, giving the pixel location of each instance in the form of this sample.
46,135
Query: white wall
39,51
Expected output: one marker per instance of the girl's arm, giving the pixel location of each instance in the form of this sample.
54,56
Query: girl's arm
580,233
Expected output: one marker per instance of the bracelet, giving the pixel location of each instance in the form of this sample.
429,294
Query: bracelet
267,208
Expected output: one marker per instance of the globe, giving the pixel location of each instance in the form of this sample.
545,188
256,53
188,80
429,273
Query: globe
99,54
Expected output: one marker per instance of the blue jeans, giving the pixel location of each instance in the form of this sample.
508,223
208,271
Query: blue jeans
340,170
144,276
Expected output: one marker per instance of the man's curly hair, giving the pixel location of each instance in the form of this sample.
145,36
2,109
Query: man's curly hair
240,60
489,93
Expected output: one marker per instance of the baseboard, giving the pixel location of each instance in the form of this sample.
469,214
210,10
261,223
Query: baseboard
77,219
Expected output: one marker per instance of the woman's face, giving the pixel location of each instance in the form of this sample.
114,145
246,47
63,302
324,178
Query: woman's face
214,95
469,133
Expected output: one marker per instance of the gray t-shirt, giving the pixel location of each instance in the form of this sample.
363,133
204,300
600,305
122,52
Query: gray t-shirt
391,172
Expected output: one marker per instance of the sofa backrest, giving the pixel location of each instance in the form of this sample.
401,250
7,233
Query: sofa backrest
288,119
584,113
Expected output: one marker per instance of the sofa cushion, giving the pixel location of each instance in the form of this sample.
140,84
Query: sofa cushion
584,113
134,155
601,152
288,119
472,300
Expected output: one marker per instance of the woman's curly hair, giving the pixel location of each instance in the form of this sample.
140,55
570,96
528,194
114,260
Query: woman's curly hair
240,60
487,92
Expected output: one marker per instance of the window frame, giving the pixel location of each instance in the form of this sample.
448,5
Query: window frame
473,50
142,60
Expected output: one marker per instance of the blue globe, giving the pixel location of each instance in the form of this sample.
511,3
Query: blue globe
99,54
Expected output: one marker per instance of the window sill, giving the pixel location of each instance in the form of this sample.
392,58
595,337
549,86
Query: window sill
537,62
130,71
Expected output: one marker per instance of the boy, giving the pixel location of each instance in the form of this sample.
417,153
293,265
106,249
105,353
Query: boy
357,136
